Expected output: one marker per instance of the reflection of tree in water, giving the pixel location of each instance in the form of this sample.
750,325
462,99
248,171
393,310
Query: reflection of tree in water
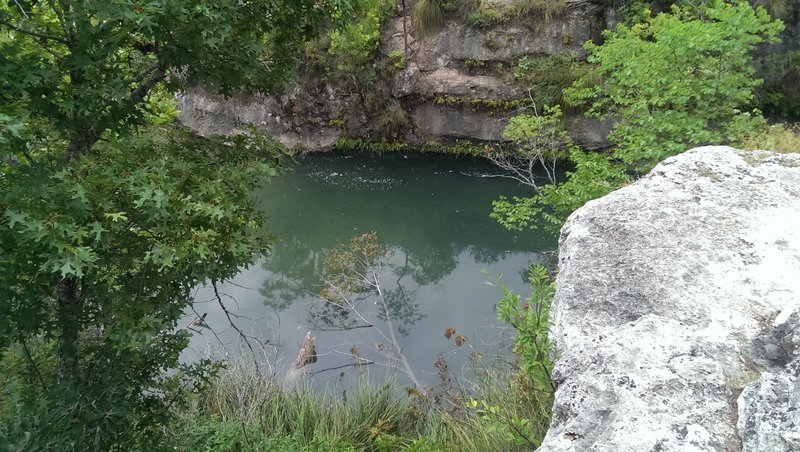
429,264
326,316
352,279
485,255
299,266
401,306
294,271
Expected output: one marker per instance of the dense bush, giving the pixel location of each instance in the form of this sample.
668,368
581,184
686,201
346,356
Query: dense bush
669,82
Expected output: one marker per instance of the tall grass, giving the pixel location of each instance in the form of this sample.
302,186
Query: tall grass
427,17
245,411
505,406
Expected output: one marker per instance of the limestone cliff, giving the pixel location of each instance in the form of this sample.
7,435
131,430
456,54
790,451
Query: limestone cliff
677,314
454,84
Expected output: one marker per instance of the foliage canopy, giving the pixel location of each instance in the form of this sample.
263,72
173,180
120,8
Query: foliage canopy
670,82
109,216
676,80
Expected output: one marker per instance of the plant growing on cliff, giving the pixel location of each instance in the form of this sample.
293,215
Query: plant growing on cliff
539,141
545,78
673,81
428,17
108,218
355,44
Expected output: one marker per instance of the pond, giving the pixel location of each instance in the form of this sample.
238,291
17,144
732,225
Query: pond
430,214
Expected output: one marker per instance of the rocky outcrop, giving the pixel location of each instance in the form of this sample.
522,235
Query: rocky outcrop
463,64
676,315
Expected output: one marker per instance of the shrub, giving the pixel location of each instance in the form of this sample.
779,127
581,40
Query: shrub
676,80
547,77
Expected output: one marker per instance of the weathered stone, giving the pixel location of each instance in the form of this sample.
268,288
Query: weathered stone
319,111
452,82
662,285
589,133
769,407
565,32
210,114
454,122
404,82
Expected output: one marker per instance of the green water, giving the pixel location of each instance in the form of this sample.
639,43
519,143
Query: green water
432,214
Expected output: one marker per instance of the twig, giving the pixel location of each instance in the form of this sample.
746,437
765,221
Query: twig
33,34
32,362
361,362
344,328
22,10
235,327
208,327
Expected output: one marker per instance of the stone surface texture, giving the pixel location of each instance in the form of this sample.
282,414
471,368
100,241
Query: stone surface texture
675,318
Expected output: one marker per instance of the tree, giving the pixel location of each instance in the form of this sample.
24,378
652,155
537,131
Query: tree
538,142
109,216
673,81
676,80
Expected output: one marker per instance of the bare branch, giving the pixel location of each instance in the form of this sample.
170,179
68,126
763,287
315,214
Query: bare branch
24,13
33,364
361,362
243,336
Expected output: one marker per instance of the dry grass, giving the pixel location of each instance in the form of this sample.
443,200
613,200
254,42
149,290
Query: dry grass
784,138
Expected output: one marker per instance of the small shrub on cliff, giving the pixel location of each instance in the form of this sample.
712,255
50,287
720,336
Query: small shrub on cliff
354,46
547,77
428,17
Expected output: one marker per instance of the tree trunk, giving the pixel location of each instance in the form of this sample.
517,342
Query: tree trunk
68,311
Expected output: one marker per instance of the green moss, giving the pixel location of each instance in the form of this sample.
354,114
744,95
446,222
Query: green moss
481,103
458,147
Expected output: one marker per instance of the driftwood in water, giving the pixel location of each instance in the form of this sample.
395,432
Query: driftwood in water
307,354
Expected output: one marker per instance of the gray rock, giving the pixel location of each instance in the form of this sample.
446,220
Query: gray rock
769,407
453,122
453,82
582,21
664,287
210,114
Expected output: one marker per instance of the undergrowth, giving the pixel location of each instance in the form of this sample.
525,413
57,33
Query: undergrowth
504,407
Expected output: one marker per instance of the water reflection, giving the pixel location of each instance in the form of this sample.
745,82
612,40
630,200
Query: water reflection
432,215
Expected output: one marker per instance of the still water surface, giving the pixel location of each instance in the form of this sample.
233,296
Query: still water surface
432,214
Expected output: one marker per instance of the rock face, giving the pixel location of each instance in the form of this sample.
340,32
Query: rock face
769,408
676,316
440,91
